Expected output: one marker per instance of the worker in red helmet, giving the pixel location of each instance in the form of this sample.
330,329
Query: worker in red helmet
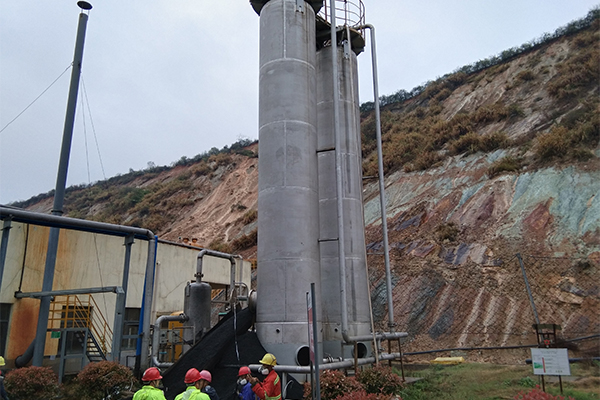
270,388
206,388
192,379
244,387
150,390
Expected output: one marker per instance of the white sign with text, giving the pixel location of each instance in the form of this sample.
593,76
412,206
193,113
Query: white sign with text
550,362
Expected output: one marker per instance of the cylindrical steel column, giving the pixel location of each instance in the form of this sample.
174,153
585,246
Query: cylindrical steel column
353,220
59,193
288,204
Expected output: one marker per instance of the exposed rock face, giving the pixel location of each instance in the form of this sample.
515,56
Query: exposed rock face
470,291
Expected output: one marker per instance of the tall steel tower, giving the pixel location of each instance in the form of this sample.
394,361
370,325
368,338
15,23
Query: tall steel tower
310,177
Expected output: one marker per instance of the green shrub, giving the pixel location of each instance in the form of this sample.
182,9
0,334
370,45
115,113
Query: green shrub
333,384
554,144
245,241
105,379
249,217
505,164
32,383
362,395
220,245
468,143
525,76
496,140
380,379
201,169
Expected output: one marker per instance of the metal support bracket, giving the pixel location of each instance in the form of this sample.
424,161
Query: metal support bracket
347,49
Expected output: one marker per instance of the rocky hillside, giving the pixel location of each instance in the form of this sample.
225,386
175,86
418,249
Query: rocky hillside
480,165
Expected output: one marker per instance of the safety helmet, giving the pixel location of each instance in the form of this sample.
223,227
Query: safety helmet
244,371
151,374
269,359
2,363
193,375
204,374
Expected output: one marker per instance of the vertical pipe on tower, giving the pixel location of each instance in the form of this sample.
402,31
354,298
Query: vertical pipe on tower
288,204
340,163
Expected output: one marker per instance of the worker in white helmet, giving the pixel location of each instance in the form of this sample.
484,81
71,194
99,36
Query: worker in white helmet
270,388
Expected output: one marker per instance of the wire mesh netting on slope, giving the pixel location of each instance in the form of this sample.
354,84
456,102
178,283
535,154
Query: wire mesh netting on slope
466,305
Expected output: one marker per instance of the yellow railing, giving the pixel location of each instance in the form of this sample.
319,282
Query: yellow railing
72,311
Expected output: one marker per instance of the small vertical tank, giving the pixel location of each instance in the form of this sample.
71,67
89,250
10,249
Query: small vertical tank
196,305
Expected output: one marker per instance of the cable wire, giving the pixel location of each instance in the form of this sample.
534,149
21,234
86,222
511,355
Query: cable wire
87,156
93,127
34,100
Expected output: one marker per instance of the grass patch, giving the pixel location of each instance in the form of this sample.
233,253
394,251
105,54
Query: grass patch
489,382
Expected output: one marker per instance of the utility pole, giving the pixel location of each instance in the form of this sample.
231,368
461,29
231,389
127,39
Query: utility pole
61,181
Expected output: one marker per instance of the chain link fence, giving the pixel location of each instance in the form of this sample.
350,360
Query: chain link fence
473,308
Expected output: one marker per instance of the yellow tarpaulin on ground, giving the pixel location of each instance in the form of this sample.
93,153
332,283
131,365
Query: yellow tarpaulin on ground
448,360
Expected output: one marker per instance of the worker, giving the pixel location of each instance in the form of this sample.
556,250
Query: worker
191,378
3,394
270,388
195,242
150,390
206,388
244,387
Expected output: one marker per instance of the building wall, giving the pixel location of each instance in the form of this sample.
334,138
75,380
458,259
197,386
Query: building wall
86,260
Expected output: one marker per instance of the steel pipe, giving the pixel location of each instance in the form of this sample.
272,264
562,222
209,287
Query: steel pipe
155,337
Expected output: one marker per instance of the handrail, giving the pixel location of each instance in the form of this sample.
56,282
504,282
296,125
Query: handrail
351,12
72,312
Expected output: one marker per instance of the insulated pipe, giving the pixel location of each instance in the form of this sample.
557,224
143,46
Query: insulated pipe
147,306
155,337
294,369
382,200
229,257
339,176
35,218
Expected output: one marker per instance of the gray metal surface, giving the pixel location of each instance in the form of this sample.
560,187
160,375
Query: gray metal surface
196,306
59,193
356,289
288,204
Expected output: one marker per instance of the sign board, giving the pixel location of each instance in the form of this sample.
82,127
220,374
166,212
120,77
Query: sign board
550,362
55,335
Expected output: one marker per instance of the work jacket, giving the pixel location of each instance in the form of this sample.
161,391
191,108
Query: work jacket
245,392
211,392
187,394
149,392
198,395
270,388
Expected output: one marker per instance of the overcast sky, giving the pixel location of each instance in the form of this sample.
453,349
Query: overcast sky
173,78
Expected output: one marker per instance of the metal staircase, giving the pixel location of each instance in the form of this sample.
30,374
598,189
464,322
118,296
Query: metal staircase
81,315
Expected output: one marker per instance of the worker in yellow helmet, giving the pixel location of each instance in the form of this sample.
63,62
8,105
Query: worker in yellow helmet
3,394
270,388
